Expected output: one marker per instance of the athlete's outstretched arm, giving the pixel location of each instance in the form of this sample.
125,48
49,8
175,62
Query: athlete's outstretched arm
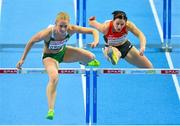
99,26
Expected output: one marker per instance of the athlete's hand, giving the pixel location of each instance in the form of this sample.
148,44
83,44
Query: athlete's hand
19,64
94,44
92,18
141,51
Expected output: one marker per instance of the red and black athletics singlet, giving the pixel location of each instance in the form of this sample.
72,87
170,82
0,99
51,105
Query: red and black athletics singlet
114,38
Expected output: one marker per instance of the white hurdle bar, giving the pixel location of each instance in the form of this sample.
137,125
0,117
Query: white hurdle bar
41,71
136,71
98,71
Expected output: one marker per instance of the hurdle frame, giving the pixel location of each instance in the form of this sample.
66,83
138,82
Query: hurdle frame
97,71
167,12
84,71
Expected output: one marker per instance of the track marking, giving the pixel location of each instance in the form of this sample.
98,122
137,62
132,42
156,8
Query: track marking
169,60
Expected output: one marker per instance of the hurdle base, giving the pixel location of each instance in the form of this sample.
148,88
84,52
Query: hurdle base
166,49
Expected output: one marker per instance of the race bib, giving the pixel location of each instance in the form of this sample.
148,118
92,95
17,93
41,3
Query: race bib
55,45
115,40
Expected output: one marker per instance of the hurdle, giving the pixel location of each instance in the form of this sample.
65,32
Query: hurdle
98,71
86,73
167,11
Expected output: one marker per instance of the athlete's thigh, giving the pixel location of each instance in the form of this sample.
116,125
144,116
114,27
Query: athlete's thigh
136,59
115,51
51,66
74,54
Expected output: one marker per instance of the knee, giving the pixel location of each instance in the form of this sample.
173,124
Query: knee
150,66
85,59
92,56
54,79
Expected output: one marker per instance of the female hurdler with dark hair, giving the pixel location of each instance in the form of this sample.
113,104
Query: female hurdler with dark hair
117,44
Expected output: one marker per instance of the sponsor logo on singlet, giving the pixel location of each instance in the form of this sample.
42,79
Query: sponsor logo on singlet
116,40
54,45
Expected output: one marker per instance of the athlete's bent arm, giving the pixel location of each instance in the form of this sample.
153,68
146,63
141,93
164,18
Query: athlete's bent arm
85,30
42,35
99,26
131,27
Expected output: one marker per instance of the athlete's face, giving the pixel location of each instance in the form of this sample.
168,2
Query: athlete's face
62,26
119,24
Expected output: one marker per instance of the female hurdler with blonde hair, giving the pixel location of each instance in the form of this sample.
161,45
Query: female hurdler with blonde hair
56,51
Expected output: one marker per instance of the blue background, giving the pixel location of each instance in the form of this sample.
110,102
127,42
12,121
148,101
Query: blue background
122,99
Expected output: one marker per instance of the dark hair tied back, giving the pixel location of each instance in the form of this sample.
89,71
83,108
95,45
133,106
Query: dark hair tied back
119,14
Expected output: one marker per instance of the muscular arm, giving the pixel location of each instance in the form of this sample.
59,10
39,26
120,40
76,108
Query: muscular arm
131,27
102,27
78,29
42,35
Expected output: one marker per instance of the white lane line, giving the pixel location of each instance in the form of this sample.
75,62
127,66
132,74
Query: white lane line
0,8
169,60
84,80
83,77
158,24
82,66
